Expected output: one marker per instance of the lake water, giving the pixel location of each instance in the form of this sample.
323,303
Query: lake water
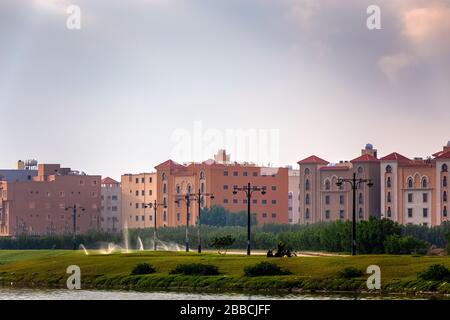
65,294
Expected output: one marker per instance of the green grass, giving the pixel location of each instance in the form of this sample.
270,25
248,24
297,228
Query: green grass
47,268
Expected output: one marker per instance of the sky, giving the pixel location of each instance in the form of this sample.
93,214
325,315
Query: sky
143,81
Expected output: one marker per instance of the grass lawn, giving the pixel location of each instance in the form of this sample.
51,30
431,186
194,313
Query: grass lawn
47,268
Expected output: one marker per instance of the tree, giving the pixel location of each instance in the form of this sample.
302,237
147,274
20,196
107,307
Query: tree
223,243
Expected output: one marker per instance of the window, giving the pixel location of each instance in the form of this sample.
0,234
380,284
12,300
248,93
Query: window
137,180
235,201
164,215
388,169
143,205
361,213
202,188
307,184
137,217
164,188
388,182
410,183
389,212
178,216
327,185
425,197
202,175
410,212
235,173
113,208
255,201
444,168
137,205
274,188
424,183
360,198
444,196
114,198
360,170
410,197
341,199
307,171
137,192
143,193
307,213
245,174
327,199
444,181
225,173
425,212
307,199
142,180
389,198
150,192
264,201
225,187
274,215
164,177
150,179
327,214
225,200
255,174
341,214
142,218
445,211
264,215
189,188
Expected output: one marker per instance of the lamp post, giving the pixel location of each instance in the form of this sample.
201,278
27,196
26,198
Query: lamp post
354,183
187,200
199,197
155,206
74,220
249,189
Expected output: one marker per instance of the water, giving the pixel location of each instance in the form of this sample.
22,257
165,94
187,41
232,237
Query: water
65,294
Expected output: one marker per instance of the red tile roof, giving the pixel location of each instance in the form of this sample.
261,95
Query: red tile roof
332,168
443,155
109,180
365,158
313,159
394,156
169,163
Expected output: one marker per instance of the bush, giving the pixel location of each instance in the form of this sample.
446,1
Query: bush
142,268
197,269
396,244
265,269
436,272
349,273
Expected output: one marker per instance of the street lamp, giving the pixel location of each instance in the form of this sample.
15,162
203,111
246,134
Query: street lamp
155,206
198,197
187,200
248,189
74,219
354,183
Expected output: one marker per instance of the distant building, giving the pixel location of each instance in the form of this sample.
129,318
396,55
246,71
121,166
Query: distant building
110,216
25,171
138,190
415,190
293,195
37,206
218,177
322,200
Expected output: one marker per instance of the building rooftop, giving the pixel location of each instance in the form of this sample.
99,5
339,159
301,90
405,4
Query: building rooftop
313,160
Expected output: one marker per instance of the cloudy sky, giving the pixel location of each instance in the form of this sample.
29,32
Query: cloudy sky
114,96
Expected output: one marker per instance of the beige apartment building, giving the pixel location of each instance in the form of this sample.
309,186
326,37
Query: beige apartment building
415,191
322,200
110,217
35,204
138,190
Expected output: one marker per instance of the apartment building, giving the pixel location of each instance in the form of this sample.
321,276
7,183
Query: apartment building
110,217
293,195
218,176
415,190
322,200
36,204
138,190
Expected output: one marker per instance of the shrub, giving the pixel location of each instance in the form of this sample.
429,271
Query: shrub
396,244
436,272
349,273
142,268
197,269
222,243
265,269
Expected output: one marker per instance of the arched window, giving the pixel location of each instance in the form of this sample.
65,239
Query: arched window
307,201
445,211
164,188
202,175
189,188
178,188
389,212
388,169
444,181
307,171
360,198
389,198
444,196
444,168
361,213
307,184
388,182
202,188
164,177
424,183
327,185
307,213
410,183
